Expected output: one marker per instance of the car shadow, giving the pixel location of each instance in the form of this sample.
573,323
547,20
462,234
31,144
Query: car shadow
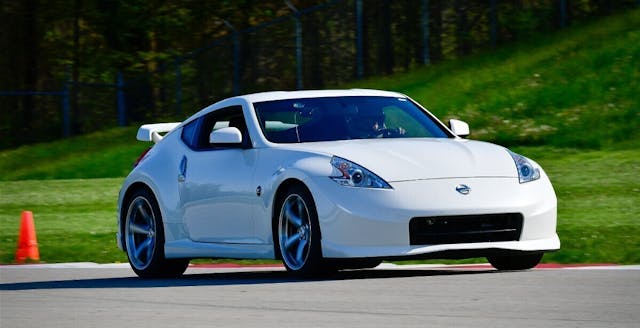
231,279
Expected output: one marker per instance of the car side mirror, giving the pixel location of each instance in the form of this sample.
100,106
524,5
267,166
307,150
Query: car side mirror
226,136
459,128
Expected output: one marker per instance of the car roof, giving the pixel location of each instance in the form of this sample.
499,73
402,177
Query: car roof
281,95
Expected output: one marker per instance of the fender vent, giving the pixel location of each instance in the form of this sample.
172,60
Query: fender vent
438,230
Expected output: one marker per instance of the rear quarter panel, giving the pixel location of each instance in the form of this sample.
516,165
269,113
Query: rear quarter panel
159,171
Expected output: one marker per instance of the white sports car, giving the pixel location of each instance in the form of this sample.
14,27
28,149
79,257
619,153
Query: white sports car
328,180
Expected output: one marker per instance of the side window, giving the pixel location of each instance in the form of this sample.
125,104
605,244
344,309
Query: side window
221,118
189,133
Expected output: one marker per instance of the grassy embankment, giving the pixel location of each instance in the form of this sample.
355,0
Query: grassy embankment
570,101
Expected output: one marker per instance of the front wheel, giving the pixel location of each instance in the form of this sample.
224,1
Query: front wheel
298,232
515,262
144,239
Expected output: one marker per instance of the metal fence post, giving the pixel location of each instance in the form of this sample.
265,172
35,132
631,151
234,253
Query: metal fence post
122,113
66,110
296,16
359,47
300,84
178,86
493,21
563,13
425,33
237,78
237,60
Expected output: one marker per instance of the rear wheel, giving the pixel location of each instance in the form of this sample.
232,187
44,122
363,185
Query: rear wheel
144,239
515,262
298,232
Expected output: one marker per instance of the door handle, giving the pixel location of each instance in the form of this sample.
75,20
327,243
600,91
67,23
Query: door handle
182,170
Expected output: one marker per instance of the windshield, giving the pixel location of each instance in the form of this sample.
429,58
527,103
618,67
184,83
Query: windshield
344,118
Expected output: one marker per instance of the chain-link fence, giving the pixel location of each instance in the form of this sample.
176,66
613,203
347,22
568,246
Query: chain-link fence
319,47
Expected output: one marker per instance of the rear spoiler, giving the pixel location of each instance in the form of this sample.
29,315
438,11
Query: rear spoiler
151,132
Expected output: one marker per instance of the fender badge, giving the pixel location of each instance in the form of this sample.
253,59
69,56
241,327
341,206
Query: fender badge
463,189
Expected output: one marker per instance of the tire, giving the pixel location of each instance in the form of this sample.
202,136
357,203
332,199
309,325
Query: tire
515,262
297,232
144,239
355,264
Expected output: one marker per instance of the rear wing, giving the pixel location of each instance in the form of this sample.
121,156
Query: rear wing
151,132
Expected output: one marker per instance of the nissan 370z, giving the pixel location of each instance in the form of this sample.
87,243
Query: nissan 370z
329,180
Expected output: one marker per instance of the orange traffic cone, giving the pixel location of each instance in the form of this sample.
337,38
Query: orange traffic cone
27,243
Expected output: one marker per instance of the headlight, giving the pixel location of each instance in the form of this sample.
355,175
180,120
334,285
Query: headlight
354,175
526,171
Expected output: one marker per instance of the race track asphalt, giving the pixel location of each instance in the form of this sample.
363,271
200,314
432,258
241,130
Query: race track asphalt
85,295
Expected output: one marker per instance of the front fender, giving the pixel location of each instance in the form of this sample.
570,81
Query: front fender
291,166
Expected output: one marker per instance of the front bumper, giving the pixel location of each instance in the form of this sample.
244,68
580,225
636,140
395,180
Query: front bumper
359,222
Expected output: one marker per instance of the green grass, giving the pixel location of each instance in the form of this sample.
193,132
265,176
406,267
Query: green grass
569,100
75,219
105,154
598,206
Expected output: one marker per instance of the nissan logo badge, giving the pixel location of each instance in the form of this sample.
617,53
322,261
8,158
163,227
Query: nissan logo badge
463,189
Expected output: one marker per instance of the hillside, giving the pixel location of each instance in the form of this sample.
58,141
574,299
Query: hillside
108,153
570,101
575,89
578,88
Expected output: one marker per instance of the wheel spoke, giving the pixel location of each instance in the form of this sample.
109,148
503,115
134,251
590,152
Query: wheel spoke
143,212
291,216
291,241
150,249
301,208
300,252
143,247
139,229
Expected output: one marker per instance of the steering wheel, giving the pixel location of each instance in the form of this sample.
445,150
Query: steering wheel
391,132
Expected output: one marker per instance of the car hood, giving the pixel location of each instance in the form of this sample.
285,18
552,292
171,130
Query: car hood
417,159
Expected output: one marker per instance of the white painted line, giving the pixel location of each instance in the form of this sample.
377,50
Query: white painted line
608,267
74,265
383,266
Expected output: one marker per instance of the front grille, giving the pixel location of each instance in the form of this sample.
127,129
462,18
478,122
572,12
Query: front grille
465,229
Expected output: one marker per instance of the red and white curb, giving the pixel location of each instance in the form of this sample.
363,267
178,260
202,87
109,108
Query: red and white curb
481,266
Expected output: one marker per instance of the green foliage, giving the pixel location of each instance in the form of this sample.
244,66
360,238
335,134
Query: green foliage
171,56
569,92
577,88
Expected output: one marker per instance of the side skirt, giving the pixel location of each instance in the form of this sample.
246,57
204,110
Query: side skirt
185,248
